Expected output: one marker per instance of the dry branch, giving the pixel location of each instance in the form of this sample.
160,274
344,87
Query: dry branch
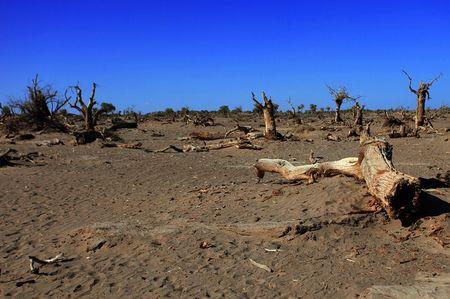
240,144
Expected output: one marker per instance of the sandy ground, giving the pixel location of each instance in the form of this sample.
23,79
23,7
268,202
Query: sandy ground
149,213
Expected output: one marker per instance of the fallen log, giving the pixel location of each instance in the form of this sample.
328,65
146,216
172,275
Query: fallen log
397,193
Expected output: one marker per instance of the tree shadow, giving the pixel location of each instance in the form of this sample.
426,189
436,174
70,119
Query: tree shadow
433,206
432,183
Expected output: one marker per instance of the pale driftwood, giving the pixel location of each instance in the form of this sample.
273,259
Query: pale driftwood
347,166
398,193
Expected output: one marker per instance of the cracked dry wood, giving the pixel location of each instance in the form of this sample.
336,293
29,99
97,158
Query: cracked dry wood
398,193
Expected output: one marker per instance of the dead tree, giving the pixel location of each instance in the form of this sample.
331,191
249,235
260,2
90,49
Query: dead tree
88,111
296,112
422,94
39,109
358,115
339,96
268,110
398,193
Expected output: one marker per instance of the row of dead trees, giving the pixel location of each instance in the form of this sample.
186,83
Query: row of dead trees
341,95
42,107
43,104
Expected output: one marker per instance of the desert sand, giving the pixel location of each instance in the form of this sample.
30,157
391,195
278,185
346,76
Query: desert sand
132,223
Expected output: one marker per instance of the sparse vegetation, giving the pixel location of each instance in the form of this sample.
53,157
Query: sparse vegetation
108,108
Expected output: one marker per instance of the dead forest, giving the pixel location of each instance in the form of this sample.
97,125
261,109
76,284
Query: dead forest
264,192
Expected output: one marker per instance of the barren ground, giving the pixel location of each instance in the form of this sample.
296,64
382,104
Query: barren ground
153,210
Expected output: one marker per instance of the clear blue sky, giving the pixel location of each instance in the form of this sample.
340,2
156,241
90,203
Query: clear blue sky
203,54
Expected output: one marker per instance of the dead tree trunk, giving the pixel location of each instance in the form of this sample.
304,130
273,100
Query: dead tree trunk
398,193
422,94
337,114
268,110
359,115
420,111
90,115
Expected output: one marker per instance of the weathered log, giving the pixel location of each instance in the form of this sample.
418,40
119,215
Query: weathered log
398,193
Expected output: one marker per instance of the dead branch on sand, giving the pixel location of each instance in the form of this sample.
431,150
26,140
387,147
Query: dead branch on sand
240,144
34,259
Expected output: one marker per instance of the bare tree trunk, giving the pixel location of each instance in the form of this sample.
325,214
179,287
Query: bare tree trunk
268,109
398,193
337,116
420,111
359,115
89,122
269,122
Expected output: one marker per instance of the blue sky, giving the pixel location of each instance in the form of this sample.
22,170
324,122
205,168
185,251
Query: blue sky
203,54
